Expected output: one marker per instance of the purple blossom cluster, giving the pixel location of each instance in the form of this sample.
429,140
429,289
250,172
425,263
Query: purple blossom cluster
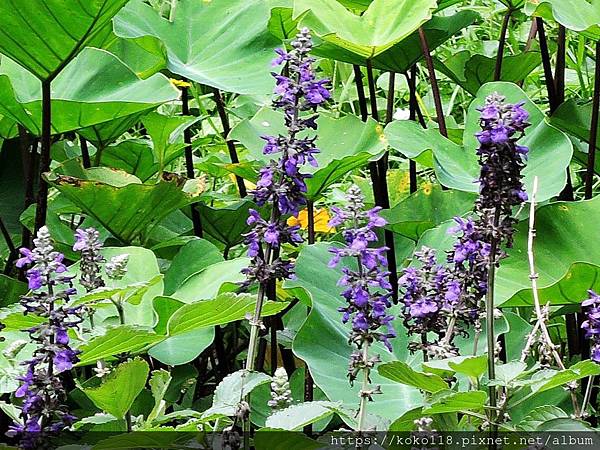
435,296
430,297
367,289
44,412
281,183
87,242
592,324
502,161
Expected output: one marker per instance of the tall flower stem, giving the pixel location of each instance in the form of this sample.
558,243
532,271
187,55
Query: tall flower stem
383,198
502,44
364,391
489,316
435,90
230,144
589,176
189,160
42,200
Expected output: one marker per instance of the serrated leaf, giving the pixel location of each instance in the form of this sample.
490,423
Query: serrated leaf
296,417
402,373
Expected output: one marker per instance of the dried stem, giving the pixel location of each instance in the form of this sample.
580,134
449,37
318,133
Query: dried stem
533,276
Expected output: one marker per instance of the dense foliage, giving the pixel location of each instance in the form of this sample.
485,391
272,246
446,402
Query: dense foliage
324,216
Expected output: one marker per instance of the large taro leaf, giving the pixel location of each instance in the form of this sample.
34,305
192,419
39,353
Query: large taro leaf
402,56
472,72
224,44
96,87
549,156
566,268
426,209
44,35
105,133
121,203
322,341
133,156
226,224
577,15
345,144
574,118
383,24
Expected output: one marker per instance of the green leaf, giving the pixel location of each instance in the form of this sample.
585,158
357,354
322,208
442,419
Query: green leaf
105,133
95,88
44,35
345,144
383,24
577,371
233,389
574,118
182,348
129,210
426,209
222,44
403,55
322,341
401,372
539,415
120,388
225,308
208,283
117,340
192,258
11,290
226,224
457,402
472,366
133,156
550,149
576,15
159,383
167,136
132,293
473,72
296,417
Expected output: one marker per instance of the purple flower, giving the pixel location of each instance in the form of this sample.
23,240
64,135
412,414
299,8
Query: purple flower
281,184
367,288
26,259
591,325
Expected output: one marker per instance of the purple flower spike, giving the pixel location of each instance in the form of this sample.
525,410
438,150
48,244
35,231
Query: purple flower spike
367,289
281,184
591,325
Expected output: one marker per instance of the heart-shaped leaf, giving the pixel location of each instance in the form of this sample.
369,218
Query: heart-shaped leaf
96,87
224,44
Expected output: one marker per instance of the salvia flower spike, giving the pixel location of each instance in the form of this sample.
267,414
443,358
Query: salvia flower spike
87,241
367,290
281,183
44,412
592,324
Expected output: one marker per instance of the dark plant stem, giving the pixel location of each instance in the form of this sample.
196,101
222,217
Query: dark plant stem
364,114
189,160
435,90
383,199
559,75
230,144
42,201
589,176
223,367
273,336
502,44
310,210
547,64
568,193
389,110
85,153
413,110
30,160
11,247
489,320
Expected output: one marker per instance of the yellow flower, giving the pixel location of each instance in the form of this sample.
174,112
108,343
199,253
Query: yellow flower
321,221
180,83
